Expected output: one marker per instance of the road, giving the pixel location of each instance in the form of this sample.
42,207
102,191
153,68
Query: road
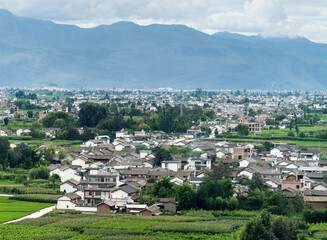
34,215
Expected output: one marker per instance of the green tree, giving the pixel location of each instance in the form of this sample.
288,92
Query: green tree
163,188
242,129
87,134
91,114
62,153
256,199
40,173
219,171
6,120
161,154
297,130
55,179
24,156
20,94
4,151
256,182
283,229
258,228
30,113
277,203
186,197
49,153
59,123
51,118
209,190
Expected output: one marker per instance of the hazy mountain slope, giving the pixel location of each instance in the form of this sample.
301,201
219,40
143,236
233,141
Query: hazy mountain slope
36,53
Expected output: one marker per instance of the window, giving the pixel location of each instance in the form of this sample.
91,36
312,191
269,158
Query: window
97,193
297,186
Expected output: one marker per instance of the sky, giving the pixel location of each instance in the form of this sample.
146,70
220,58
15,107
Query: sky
270,18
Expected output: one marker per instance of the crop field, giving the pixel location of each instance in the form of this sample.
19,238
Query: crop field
122,227
21,189
12,209
42,198
318,230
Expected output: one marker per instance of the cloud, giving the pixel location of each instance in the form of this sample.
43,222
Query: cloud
271,18
267,17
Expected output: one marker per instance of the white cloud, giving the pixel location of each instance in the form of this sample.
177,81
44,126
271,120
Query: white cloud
267,17
271,18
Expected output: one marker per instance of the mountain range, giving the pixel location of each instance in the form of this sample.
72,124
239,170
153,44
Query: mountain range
37,53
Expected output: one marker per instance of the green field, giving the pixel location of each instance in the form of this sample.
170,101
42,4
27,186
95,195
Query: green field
12,209
7,183
61,143
197,225
122,227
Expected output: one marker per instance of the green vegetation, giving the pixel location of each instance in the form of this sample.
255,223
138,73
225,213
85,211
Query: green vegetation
12,209
42,198
200,225
132,227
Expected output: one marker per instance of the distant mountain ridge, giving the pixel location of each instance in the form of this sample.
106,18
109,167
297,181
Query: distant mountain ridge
37,53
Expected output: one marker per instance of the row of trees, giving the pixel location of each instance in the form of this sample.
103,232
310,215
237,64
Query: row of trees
109,118
25,156
167,118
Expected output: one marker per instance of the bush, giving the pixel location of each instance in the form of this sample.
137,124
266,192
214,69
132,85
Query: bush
290,134
302,135
315,216
40,173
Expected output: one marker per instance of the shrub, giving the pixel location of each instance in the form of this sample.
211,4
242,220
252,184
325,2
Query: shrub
315,216
290,134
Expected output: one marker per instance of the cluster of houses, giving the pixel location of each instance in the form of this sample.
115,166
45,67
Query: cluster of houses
104,178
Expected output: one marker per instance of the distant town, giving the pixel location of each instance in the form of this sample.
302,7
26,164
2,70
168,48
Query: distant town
165,151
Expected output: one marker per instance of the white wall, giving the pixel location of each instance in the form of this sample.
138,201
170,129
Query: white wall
68,188
119,194
65,205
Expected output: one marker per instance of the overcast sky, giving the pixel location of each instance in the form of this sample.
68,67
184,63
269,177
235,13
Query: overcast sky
271,18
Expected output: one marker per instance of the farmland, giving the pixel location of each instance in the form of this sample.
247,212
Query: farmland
71,226
207,225
12,209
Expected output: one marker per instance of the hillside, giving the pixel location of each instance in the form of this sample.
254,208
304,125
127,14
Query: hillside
36,53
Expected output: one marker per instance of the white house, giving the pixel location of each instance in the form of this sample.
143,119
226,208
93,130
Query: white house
122,134
220,154
322,186
123,194
65,203
79,162
246,173
69,186
246,162
65,173
172,165
144,153
276,152
22,131
177,181
104,138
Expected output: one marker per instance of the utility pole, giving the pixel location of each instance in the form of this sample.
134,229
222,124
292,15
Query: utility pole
182,98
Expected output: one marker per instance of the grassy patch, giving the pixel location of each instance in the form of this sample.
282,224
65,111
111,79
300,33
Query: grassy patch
7,183
12,209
